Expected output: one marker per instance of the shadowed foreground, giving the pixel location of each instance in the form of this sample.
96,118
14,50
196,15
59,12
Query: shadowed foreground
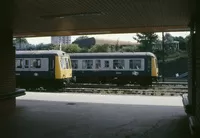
42,119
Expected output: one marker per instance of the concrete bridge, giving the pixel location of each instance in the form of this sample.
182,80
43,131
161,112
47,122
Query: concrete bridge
76,17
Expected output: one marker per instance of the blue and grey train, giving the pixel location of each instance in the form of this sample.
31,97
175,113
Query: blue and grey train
118,68
48,68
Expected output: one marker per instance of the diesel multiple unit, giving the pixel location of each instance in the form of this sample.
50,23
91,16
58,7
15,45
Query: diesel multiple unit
50,68
118,68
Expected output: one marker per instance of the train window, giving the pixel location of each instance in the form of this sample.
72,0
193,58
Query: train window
118,64
36,63
156,63
87,64
135,64
97,64
52,64
106,64
18,63
75,64
26,65
63,63
69,61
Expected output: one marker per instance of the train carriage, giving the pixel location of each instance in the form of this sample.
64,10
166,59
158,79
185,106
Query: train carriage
48,68
118,68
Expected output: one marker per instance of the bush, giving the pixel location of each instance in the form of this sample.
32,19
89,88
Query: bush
100,48
72,48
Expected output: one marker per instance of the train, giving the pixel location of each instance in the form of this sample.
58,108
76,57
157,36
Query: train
42,68
55,68
115,67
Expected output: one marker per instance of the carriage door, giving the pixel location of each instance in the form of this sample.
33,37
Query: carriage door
26,66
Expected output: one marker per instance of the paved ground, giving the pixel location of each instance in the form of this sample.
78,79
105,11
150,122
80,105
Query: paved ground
42,115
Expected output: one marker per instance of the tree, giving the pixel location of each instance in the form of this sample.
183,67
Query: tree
20,40
71,48
20,43
100,48
42,46
187,38
182,42
147,40
84,50
168,38
128,49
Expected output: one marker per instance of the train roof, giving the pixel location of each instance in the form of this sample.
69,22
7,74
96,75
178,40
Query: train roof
41,52
114,54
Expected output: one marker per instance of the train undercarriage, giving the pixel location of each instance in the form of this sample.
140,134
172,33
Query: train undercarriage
143,81
45,83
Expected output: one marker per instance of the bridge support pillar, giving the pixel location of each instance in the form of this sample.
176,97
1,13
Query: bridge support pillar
7,60
7,73
194,74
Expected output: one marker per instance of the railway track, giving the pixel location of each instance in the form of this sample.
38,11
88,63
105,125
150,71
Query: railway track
108,86
160,90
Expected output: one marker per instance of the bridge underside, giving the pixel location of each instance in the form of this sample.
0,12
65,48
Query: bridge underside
78,17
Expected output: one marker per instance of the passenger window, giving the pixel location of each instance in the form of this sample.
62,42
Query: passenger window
118,64
36,63
26,65
106,64
97,64
87,64
19,63
75,64
135,64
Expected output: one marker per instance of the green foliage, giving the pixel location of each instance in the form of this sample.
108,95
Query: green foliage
42,46
168,38
128,49
56,47
187,38
84,50
20,40
71,48
100,48
147,40
141,48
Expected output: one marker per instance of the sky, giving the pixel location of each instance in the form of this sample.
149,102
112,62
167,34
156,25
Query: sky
124,37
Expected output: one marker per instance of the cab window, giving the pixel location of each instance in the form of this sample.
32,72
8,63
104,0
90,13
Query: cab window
63,63
69,61
156,63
